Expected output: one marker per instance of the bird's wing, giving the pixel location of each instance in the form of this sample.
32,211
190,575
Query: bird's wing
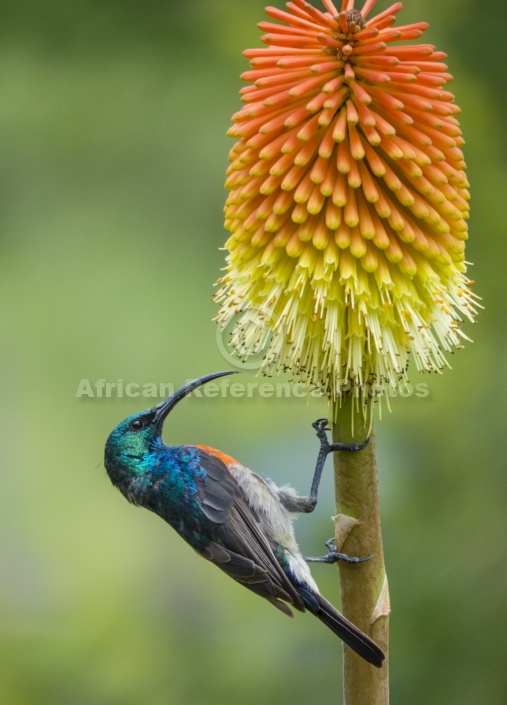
218,491
241,549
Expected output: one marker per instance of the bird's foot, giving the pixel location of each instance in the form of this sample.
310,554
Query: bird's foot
333,556
321,426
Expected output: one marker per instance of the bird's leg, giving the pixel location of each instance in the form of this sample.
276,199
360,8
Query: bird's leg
305,505
325,448
333,556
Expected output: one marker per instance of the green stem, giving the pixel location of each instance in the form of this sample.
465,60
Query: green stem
363,587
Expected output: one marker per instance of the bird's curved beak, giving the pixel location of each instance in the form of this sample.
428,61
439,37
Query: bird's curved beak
164,408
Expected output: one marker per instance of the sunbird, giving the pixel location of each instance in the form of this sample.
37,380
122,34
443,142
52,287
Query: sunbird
238,520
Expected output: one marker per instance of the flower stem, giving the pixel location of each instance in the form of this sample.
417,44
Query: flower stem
364,593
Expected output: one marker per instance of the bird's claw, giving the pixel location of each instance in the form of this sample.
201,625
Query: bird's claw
331,544
321,426
358,446
333,555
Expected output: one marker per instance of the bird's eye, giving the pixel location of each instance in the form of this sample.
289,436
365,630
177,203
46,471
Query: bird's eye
137,425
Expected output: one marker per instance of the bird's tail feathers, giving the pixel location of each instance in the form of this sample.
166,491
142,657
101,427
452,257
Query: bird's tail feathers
348,632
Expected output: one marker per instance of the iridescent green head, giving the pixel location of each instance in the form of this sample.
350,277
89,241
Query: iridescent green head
136,438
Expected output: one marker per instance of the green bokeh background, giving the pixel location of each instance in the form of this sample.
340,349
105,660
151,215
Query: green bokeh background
112,157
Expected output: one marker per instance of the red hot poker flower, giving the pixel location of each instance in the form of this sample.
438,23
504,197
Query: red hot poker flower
348,201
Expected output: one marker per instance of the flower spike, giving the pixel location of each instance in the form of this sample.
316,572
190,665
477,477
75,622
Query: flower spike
348,202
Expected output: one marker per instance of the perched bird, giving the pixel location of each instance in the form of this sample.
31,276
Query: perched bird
236,519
